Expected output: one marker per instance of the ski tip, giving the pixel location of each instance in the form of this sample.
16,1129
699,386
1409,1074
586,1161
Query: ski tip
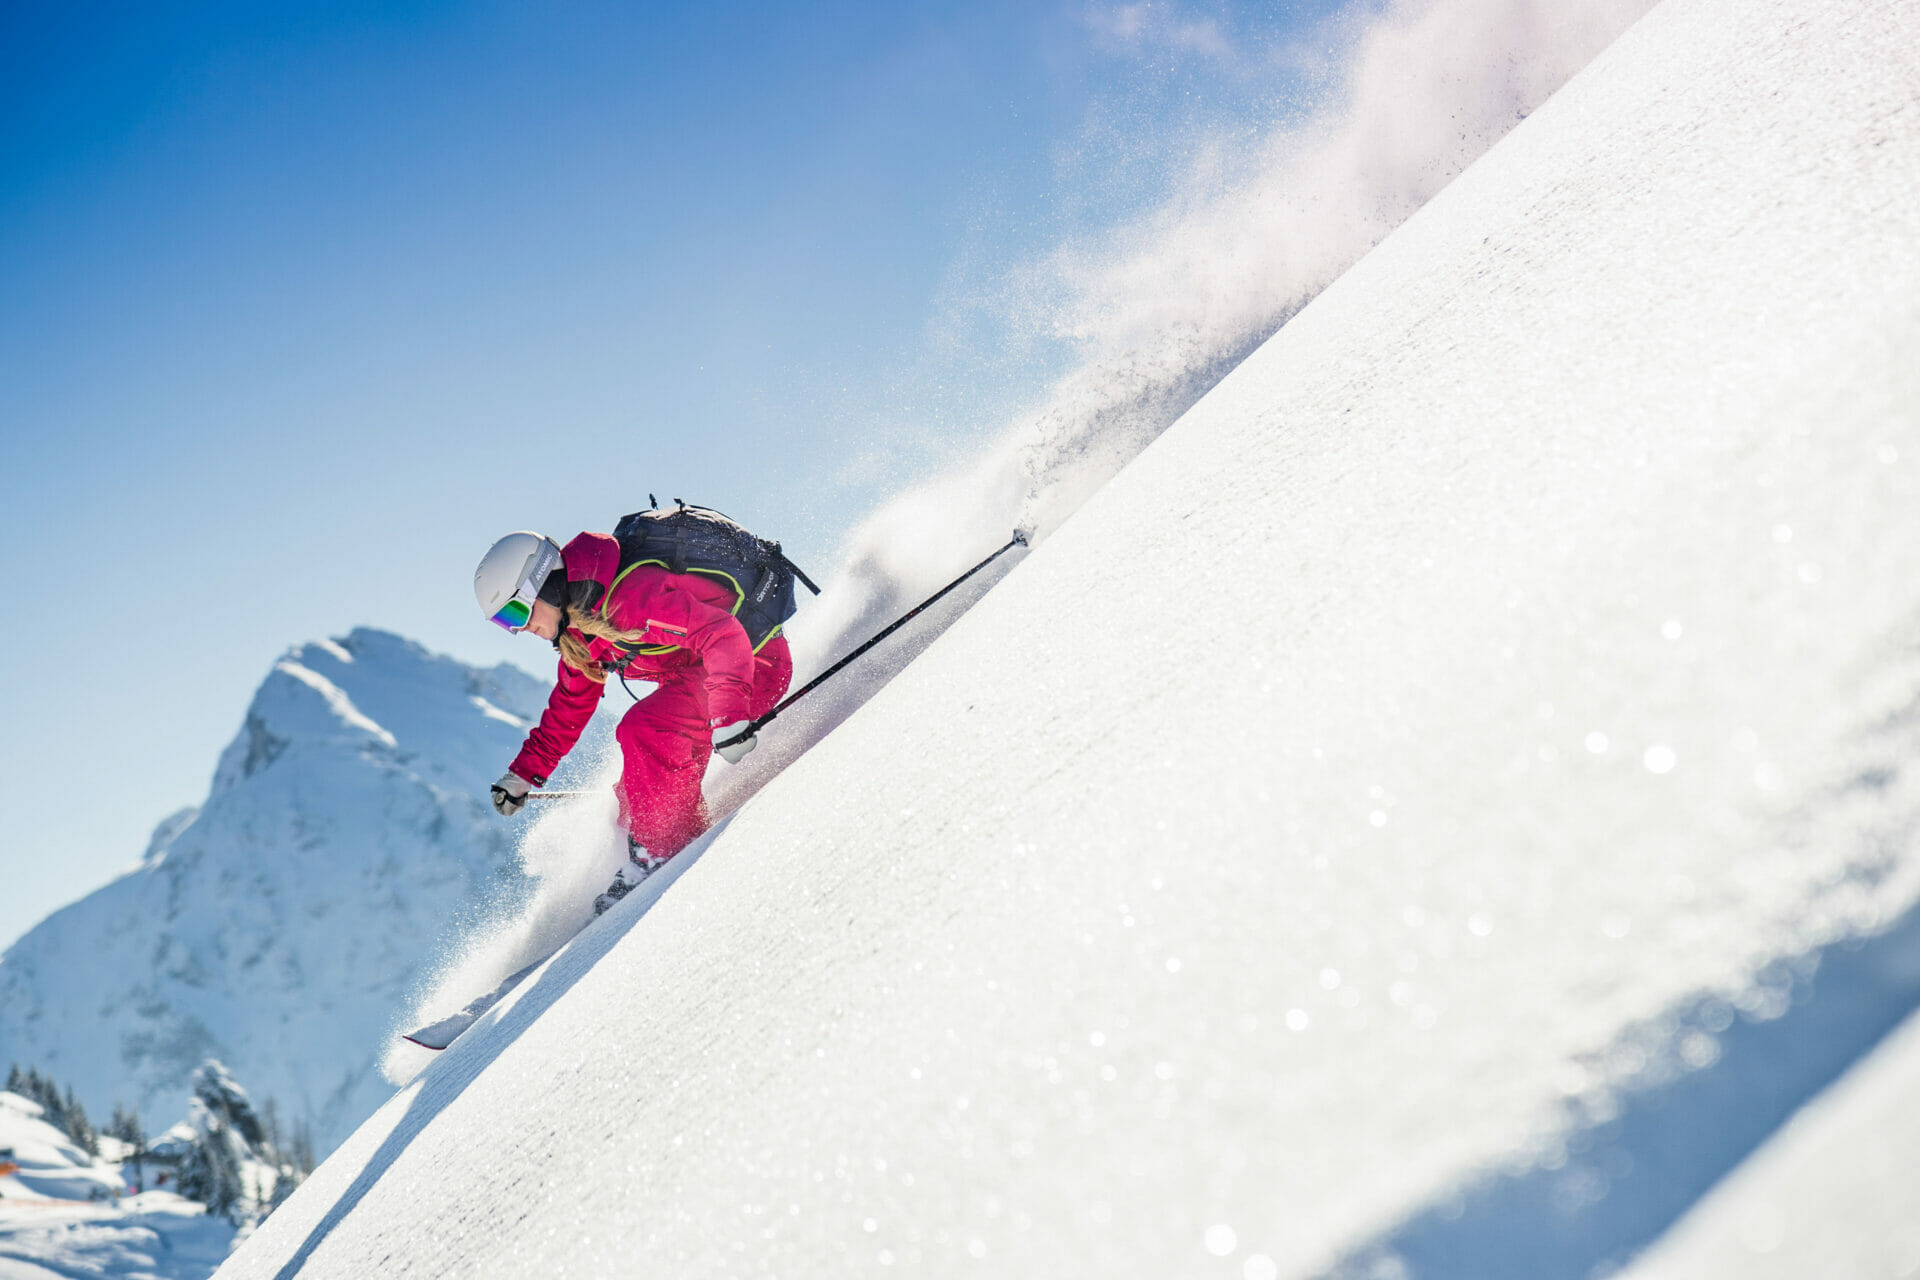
423,1044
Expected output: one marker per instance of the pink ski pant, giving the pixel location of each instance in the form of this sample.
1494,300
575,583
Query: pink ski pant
666,741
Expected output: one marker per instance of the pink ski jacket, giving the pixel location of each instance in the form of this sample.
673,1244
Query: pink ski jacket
687,620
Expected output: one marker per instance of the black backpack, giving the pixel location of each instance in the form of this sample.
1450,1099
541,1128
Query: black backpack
684,539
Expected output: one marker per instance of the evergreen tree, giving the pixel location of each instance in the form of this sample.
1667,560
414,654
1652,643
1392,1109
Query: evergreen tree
236,1165
211,1172
282,1154
60,1108
237,1148
270,1123
126,1126
76,1125
47,1094
302,1152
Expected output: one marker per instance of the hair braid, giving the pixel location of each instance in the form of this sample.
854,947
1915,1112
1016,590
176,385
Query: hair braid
591,622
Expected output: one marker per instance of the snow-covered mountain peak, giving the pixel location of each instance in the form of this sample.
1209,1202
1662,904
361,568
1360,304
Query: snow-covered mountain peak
373,691
276,925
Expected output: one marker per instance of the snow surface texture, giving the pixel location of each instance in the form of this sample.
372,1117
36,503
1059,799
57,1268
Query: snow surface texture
62,1214
1436,811
280,925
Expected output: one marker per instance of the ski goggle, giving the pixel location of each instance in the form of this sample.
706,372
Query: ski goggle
515,614
517,610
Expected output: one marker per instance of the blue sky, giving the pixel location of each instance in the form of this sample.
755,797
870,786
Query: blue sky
301,306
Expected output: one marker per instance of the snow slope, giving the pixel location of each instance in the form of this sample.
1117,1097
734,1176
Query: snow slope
1436,811
278,925
46,1163
64,1214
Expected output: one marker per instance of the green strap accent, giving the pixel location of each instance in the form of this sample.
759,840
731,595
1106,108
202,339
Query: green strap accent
739,598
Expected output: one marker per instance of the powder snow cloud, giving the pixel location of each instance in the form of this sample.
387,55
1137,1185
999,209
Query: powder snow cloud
1160,308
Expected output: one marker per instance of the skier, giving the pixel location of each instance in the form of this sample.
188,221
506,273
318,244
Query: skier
678,631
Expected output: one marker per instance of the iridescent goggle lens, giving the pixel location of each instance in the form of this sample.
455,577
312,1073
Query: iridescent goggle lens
514,614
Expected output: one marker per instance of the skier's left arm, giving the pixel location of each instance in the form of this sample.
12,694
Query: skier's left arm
569,707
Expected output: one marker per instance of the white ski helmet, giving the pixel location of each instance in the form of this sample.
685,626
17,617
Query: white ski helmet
510,575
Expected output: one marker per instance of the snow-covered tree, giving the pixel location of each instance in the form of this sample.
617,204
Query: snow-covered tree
211,1171
216,1089
234,1164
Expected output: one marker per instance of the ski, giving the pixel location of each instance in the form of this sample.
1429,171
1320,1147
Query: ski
440,1034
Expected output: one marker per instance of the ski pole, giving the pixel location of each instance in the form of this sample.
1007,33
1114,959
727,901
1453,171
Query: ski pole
559,795
1019,540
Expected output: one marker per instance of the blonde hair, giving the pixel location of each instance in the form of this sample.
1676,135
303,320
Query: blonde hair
573,650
